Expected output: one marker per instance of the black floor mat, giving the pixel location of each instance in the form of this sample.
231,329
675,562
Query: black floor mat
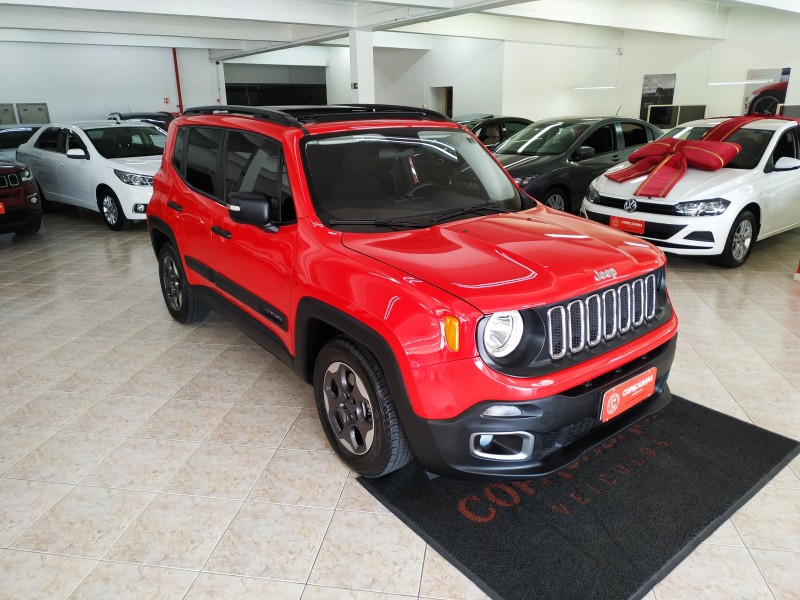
608,527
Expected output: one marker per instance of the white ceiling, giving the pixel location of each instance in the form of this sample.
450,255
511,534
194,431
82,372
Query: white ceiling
241,27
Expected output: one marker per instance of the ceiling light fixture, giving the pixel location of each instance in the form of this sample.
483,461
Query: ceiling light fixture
745,82
596,87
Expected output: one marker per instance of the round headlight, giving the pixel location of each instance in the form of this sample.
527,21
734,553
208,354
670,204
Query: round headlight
502,333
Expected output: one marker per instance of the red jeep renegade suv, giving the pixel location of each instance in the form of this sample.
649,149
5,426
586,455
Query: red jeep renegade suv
383,254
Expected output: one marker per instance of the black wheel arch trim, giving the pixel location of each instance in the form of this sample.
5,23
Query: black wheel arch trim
158,224
419,434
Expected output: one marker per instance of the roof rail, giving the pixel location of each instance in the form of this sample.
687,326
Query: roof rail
267,114
297,116
354,112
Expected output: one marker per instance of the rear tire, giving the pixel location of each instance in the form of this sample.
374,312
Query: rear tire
112,211
181,302
357,411
740,241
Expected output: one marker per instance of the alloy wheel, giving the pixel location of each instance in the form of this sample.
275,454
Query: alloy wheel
742,238
171,282
556,200
110,212
349,408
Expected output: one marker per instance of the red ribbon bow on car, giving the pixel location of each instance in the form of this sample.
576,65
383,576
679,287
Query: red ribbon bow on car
667,159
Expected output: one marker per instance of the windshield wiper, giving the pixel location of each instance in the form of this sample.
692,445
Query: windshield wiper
466,211
376,222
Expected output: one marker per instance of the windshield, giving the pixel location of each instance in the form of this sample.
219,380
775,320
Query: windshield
544,138
127,142
405,178
752,141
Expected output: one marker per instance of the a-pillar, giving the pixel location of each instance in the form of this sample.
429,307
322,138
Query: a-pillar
362,73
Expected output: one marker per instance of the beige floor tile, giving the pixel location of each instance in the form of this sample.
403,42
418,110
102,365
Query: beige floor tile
306,433
120,581
781,570
183,420
47,576
23,502
220,470
65,457
210,586
212,333
85,522
164,330
355,497
726,535
440,579
764,386
303,478
81,350
244,358
155,381
191,357
315,592
393,566
37,376
175,531
254,425
136,353
217,385
95,378
771,520
10,365
117,415
278,386
35,346
115,328
785,479
16,444
51,410
778,417
271,540
715,573
141,464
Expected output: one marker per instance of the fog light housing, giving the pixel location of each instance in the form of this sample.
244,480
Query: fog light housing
502,445
33,199
502,410
139,208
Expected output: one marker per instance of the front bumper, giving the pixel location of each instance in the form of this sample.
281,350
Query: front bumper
131,196
695,236
562,427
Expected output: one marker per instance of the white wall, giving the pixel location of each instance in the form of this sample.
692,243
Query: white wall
87,82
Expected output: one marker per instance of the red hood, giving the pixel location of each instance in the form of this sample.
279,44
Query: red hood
513,260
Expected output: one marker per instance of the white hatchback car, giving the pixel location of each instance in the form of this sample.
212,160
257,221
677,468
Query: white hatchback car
713,213
104,166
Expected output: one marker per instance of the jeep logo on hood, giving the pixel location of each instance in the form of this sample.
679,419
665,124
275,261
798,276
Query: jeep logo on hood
607,274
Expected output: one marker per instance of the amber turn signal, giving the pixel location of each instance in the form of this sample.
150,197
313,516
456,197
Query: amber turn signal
451,332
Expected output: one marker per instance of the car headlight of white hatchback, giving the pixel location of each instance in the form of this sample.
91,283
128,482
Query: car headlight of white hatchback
503,333
592,195
133,178
702,208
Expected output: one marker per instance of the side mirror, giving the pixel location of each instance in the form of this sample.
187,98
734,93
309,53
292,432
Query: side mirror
786,163
76,153
584,152
251,208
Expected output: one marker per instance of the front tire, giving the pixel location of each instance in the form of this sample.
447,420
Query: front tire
30,229
112,211
181,302
556,198
740,241
357,411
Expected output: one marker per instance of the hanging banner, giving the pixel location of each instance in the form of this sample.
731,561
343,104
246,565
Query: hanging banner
764,98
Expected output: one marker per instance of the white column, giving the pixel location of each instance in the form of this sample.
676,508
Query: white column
362,71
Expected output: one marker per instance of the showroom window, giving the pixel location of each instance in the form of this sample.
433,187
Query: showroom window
603,140
202,160
49,139
252,164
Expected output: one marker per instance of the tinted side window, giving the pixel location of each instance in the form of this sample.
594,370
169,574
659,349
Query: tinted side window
513,127
73,141
202,160
603,140
179,150
49,139
633,134
786,146
252,164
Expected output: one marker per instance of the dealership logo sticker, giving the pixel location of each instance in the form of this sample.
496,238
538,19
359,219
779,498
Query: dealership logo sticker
630,205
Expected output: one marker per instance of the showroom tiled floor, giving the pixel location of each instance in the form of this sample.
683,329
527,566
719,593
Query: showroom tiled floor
144,459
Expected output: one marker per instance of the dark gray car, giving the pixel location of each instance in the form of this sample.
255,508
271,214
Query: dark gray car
555,160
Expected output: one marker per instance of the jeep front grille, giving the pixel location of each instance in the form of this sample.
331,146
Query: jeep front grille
585,322
9,180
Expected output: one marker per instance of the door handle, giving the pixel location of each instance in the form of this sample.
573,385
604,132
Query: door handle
174,206
220,231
